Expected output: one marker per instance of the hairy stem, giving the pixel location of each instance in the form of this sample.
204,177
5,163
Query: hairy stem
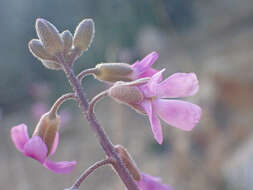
98,130
86,72
60,100
95,100
89,170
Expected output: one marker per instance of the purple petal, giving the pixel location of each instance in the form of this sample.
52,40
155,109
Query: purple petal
60,167
148,73
142,66
149,182
180,114
154,121
55,144
36,149
178,85
19,136
149,89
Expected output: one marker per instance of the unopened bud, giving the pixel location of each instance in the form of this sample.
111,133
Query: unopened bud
38,50
112,72
125,94
47,128
67,40
84,34
128,162
49,35
51,64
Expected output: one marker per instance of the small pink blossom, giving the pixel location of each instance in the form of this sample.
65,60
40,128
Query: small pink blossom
177,113
149,98
143,68
37,149
149,182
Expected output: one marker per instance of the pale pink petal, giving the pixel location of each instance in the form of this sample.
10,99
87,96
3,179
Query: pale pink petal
36,149
142,66
178,85
148,73
55,144
180,114
19,136
149,89
149,182
154,121
60,167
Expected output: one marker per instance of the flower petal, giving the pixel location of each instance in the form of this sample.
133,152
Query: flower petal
148,73
19,136
180,114
149,182
36,149
142,66
154,121
149,89
178,85
60,167
55,144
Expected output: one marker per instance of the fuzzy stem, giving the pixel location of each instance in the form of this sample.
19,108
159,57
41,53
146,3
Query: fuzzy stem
98,130
86,72
59,101
95,100
88,171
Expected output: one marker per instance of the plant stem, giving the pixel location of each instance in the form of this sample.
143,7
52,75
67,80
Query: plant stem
95,100
86,72
88,171
100,133
60,100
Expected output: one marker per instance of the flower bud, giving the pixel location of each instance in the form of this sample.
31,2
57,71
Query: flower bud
49,36
38,50
128,162
125,93
112,72
47,128
84,34
67,40
51,64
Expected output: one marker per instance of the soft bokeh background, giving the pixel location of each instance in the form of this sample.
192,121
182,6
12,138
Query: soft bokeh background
212,38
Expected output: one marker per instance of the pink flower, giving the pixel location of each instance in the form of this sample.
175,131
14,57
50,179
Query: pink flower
149,182
37,149
149,98
143,68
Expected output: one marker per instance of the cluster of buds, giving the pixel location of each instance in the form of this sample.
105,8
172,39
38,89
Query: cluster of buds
52,44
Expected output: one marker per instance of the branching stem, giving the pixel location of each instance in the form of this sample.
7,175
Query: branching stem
89,170
60,100
104,140
86,72
96,99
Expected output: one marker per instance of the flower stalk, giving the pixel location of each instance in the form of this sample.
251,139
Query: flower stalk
88,171
104,140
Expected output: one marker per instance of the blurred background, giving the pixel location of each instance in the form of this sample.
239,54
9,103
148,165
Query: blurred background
214,39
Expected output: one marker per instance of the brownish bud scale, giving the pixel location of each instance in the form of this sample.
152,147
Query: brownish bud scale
84,34
50,37
67,40
113,72
38,50
47,128
128,162
51,64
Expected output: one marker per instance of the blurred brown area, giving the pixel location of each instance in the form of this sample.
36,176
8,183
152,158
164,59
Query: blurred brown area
214,39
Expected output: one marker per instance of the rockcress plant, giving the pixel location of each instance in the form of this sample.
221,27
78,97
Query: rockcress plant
138,86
